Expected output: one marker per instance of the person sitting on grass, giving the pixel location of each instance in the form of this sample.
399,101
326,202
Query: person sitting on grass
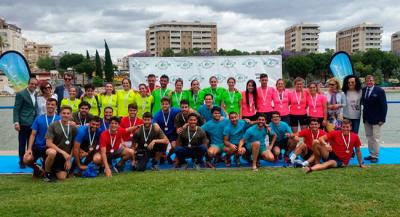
215,128
304,149
150,142
59,138
233,132
112,147
86,144
191,143
37,141
82,116
255,140
284,136
335,149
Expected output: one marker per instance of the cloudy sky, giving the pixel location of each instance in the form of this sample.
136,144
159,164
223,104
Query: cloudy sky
247,25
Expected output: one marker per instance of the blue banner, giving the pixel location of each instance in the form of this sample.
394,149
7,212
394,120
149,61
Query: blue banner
341,65
16,68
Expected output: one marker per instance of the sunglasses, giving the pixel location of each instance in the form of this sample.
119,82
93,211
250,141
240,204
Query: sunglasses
67,79
332,84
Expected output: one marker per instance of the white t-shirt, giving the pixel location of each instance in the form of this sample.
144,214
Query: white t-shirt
41,102
352,110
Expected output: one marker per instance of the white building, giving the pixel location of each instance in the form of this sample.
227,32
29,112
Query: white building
12,37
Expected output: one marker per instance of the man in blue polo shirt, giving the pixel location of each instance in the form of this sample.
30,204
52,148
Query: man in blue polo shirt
205,110
233,133
37,141
165,119
86,144
284,136
215,128
254,140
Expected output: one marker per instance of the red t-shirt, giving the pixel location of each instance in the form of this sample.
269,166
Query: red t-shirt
335,138
149,90
105,139
125,124
308,136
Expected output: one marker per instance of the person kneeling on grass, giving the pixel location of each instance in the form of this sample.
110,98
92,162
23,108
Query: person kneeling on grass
338,152
59,139
233,132
255,139
112,146
149,141
191,143
86,144
310,136
215,128
284,137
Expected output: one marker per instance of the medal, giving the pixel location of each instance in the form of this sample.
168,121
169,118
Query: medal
166,120
130,125
146,137
91,139
314,110
280,98
112,151
231,98
347,151
298,107
264,95
47,121
130,135
189,145
97,147
298,99
347,144
178,100
90,148
281,106
231,106
190,138
166,128
65,134
314,103
112,141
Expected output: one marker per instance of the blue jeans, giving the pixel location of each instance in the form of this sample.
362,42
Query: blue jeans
197,152
355,125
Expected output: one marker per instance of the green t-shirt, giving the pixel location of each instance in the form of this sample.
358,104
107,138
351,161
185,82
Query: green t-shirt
124,98
157,95
144,104
94,105
217,93
74,104
108,101
176,98
194,100
232,101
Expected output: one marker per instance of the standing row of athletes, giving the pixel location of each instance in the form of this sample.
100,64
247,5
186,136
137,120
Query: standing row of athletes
198,123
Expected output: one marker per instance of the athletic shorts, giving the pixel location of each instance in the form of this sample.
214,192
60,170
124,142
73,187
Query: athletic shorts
308,155
282,144
296,119
58,164
332,156
38,153
286,119
219,146
260,151
157,148
116,154
171,137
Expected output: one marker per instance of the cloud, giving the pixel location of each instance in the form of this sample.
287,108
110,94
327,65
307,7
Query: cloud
242,24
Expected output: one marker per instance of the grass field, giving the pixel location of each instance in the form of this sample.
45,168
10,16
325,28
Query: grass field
374,191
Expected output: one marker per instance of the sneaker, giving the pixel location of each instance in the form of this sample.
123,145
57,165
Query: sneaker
368,158
184,166
196,166
286,159
37,171
297,163
155,167
169,159
227,162
374,160
210,165
120,168
49,178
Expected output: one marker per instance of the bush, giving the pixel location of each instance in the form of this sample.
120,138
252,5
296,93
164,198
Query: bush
98,82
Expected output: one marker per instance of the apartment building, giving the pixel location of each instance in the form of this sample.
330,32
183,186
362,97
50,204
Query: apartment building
361,37
302,37
11,37
34,51
395,42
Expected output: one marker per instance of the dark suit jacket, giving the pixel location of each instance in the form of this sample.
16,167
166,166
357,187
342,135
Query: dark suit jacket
60,94
24,110
375,106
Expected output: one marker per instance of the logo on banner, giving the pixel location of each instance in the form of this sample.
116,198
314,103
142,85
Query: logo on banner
196,77
163,65
185,65
220,78
228,64
240,78
139,65
271,62
249,63
206,64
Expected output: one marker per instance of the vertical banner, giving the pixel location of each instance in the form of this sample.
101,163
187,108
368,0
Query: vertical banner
341,65
242,68
16,68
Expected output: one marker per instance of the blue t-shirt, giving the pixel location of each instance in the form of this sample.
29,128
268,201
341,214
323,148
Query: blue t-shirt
104,125
82,137
280,130
235,133
206,113
159,119
215,130
254,134
40,126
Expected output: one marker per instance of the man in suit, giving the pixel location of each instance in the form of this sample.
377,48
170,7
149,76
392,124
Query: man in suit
374,115
23,114
62,91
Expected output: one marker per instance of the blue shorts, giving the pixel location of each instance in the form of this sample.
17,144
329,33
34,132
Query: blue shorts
332,156
260,151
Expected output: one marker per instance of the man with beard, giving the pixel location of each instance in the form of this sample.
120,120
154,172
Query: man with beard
82,117
105,122
159,93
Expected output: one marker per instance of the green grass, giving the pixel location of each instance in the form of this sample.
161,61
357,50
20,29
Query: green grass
374,191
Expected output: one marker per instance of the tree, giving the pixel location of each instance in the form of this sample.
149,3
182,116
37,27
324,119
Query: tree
298,66
46,63
389,63
373,57
108,65
168,52
98,66
87,55
378,76
86,66
70,60
321,61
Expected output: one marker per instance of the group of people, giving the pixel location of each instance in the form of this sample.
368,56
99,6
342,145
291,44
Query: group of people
69,129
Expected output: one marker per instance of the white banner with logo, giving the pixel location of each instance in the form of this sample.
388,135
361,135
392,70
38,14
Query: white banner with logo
242,68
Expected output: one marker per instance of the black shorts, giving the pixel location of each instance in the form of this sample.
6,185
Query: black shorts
116,154
252,118
283,144
286,119
58,164
38,153
332,156
308,155
157,148
296,119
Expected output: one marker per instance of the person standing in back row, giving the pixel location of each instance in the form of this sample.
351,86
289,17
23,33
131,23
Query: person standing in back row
374,115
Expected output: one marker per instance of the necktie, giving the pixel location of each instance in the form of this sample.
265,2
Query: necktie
367,93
